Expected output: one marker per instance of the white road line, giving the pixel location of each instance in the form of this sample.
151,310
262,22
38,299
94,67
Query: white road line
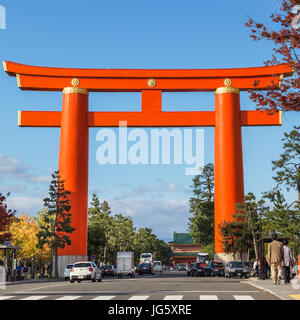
206,297
55,285
173,297
6,297
138,298
34,298
243,298
68,298
104,298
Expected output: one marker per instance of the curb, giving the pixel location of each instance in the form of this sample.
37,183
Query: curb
264,289
33,281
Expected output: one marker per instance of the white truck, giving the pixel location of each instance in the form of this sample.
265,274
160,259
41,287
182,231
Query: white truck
125,264
157,266
203,257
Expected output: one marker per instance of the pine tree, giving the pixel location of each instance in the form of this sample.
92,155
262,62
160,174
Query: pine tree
57,219
201,225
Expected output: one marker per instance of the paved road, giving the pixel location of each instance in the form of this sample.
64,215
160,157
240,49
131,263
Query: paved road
166,286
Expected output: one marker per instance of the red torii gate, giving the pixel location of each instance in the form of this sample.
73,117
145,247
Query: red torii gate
75,120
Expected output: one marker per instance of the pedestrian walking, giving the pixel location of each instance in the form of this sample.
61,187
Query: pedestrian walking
275,259
255,268
288,261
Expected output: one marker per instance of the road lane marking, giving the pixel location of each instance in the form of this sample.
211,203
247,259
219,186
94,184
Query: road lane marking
68,298
34,298
243,298
295,296
173,297
138,298
26,290
210,297
6,297
104,298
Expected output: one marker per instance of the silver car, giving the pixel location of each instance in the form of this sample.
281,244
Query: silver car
67,271
85,270
236,268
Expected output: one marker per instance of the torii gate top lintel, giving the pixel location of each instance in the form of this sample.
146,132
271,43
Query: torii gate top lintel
56,79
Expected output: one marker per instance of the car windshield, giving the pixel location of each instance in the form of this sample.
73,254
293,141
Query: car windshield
82,265
69,266
146,255
236,264
145,265
108,267
217,264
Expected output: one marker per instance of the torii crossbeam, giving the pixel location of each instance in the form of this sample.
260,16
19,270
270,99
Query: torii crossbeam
75,120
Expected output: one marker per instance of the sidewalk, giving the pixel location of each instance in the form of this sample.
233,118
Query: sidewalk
32,281
283,291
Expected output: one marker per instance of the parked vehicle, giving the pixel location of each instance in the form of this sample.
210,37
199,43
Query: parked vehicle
157,266
202,257
236,268
189,269
109,270
146,258
125,264
144,268
67,271
215,268
198,270
181,267
85,270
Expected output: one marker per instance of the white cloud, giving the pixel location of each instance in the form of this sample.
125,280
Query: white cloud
12,168
23,205
172,186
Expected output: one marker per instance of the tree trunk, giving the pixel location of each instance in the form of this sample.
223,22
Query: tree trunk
105,254
55,264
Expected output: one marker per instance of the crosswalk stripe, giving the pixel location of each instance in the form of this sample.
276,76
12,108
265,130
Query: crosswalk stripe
6,297
34,298
138,298
243,298
104,298
173,297
208,297
68,298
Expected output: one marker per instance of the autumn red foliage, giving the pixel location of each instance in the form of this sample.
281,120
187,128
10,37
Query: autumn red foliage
5,217
285,34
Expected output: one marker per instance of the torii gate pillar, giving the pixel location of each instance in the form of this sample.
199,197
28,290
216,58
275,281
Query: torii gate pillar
229,176
73,168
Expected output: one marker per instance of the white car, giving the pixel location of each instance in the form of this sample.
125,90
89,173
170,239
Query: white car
67,271
85,270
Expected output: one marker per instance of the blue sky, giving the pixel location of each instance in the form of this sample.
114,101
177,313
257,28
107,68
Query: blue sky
128,34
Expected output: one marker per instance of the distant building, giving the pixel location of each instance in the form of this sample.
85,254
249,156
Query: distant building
184,250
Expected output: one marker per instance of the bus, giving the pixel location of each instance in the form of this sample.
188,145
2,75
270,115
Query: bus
202,257
146,258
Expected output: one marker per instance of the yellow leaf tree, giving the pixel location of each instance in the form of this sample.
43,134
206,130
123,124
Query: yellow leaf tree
24,234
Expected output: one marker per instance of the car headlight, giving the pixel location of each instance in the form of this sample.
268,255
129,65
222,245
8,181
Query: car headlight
244,270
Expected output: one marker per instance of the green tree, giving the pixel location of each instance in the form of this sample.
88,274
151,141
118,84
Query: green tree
288,166
201,224
99,228
58,216
283,219
234,237
251,213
